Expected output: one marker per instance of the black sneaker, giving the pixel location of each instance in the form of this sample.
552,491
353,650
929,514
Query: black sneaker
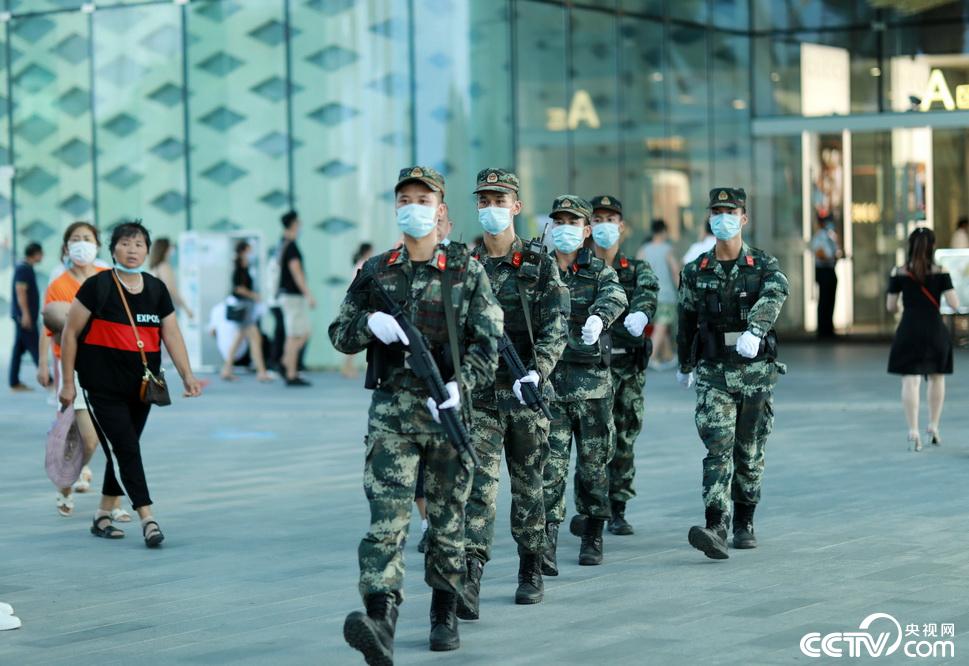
299,381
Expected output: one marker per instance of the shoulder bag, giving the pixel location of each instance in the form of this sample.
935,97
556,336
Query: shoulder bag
153,390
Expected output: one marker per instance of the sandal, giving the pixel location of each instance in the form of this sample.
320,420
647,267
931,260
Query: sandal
65,504
153,537
107,532
119,515
83,484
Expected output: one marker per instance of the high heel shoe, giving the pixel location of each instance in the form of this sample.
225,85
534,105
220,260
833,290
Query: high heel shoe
933,434
915,440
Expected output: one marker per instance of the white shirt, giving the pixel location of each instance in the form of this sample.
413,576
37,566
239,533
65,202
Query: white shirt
699,248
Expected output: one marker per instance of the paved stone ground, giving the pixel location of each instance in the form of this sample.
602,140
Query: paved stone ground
258,489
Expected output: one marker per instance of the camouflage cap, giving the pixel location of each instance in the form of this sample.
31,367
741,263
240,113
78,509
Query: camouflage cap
496,180
728,197
569,203
425,175
606,202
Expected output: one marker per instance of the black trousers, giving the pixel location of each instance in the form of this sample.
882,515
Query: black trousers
119,422
25,340
827,281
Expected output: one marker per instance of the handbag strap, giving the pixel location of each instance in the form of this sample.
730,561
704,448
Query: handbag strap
928,294
131,320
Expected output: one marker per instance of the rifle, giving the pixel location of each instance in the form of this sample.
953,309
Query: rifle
421,362
530,394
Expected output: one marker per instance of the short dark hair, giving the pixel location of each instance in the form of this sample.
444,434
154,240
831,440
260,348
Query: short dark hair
33,249
963,222
289,218
657,226
129,230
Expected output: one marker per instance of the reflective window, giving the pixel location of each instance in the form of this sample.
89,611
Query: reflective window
140,117
52,147
544,142
238,127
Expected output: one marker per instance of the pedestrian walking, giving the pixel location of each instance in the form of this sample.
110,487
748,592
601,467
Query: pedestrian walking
295,299
922,346
245,312
113,338
729,299
160,265
25,312
535,305
658,252
79,250
631,348
583,387
447,297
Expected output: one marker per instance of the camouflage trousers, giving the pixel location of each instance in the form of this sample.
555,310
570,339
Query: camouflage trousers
734,423
523,435
591,423
628,382
389,480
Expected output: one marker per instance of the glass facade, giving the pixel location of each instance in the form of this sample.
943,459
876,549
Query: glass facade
223,114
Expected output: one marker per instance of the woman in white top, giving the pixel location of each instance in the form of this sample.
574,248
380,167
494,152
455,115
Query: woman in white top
160,265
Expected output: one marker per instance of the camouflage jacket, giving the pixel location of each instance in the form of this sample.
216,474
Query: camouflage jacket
548,302
749,298
398,405
595,290
642,289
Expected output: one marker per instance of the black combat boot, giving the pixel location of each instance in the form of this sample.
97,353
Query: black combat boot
531,589
444,621
712,539
577,525
373,632
550,566
468,601
743,525
618,524
590,552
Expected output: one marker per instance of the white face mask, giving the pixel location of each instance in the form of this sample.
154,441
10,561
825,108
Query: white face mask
82,253
416,220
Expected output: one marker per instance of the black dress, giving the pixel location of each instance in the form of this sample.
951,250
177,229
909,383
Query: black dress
922,345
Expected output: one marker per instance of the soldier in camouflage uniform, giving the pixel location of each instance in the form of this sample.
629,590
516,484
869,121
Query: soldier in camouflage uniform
631,348
583,388
439,290
535,305
729,299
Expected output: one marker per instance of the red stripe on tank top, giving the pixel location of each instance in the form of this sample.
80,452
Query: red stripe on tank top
120,336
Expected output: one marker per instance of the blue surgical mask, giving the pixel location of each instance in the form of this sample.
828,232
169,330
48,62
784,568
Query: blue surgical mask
131,271
725,226
416,220
605,234
493,219
567,238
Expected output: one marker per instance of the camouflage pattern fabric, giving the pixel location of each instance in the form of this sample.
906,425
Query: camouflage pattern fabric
523,435
628,382
583,404
591,422
734,411
628,374
499,420
401,430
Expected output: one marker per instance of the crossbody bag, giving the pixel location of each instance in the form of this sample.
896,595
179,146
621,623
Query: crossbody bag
153,390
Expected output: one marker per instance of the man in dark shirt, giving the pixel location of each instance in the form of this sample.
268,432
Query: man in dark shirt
25,308
295,298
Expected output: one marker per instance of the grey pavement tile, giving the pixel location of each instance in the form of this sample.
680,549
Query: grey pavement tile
259,492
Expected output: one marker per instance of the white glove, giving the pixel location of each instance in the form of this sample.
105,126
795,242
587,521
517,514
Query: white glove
386,328
453,402
748,345
530,378
635,323
685,379
592,330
